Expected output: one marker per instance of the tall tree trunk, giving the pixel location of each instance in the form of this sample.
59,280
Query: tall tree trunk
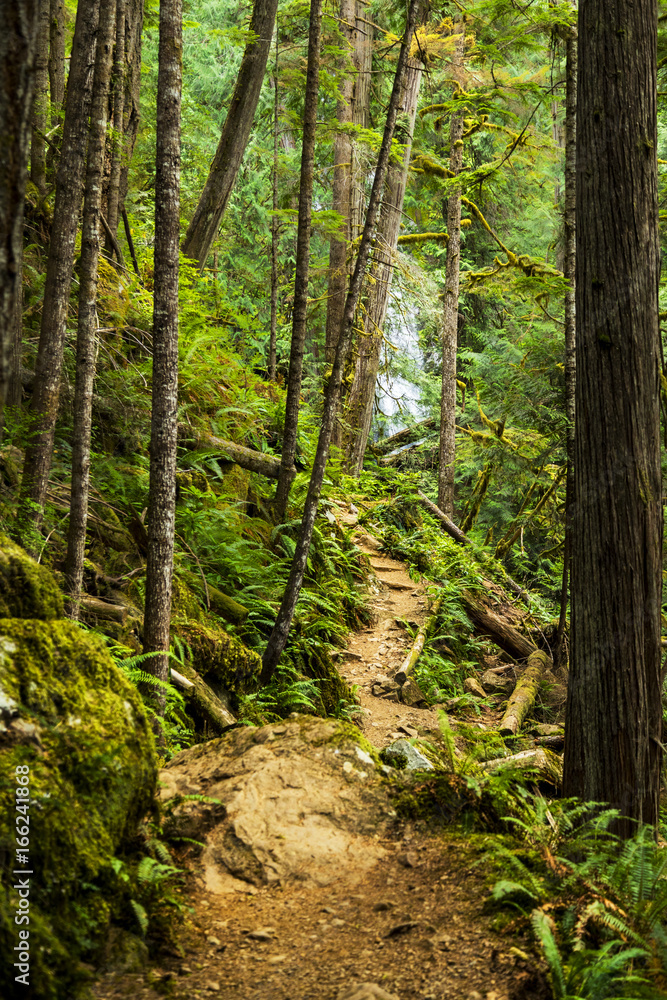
341,190
302,264
134,21
278,637
162,489
613,715
569,267
86,341
69,182
450,317
57,57
19,23
117,140
40,110
358,412
275,228
203,227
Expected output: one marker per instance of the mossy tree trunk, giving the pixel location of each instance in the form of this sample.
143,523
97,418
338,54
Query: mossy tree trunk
278,638
162,488
523,697
69,190
57,58
18,41
86,340
302,264
613,726
40,110
450,317
117,138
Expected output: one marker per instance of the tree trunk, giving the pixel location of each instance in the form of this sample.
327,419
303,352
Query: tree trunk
523,697
19,23
613,727
342,179
569,266
358,412
410,662
48,367
203,227
302,264
275,228
134,21
487,622
57,58
86,340
40,109
278,637
117,143
447,446
162,488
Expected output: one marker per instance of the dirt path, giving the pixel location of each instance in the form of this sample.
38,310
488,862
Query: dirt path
412,925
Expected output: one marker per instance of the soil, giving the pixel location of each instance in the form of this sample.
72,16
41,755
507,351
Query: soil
412,925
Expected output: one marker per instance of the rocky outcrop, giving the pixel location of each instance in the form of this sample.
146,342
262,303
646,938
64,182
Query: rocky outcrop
302,801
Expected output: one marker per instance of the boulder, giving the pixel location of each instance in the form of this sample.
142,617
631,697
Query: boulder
472,686
494,683
412,694
27,590
406,757
299,801
74,719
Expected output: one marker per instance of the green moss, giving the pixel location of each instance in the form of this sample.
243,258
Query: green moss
345,733
220,656
314,661
185,603
92,777
27,590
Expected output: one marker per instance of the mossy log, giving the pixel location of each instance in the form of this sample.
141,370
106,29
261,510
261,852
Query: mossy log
548,765
523,697
226,607
95,609
220,658
247,458
409,663
207,709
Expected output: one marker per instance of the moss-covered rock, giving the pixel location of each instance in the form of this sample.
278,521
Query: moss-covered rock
220,657
27,590
78,724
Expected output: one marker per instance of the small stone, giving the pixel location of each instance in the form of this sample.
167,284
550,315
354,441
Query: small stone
327,909
409,860
496,684
411,694
384,904
262,934
472,686
337,922
474,995
407,731
275,959
365,991
184,970
216,942
214,986
403,928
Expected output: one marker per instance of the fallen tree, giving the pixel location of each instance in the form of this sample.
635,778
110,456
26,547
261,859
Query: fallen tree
523,697
487,622
202,701
403,436
247,458
410,662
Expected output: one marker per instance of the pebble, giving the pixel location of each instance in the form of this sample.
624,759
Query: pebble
403,928
216,942
262,934
409,860
275,959
384,904
214,987
337,922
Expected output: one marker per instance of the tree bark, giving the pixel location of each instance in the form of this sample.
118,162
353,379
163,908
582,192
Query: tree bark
450,318
86,340
358,412
57,57
275,228
117,143
613,715
342,181
487,622
162,488
134,21
18,43
569,267
278,637
203,227
302,264
69,180
40,109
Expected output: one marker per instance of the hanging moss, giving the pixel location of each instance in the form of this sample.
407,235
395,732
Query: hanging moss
27,590
76,721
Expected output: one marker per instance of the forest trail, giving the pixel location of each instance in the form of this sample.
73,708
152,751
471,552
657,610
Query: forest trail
409,927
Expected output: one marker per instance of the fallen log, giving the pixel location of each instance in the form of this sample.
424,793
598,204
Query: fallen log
387,444
247,458
203,703
455,532
548,765
410,661
487,622
95,609
178,680
523,697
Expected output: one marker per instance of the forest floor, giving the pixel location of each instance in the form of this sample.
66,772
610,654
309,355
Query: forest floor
412,926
